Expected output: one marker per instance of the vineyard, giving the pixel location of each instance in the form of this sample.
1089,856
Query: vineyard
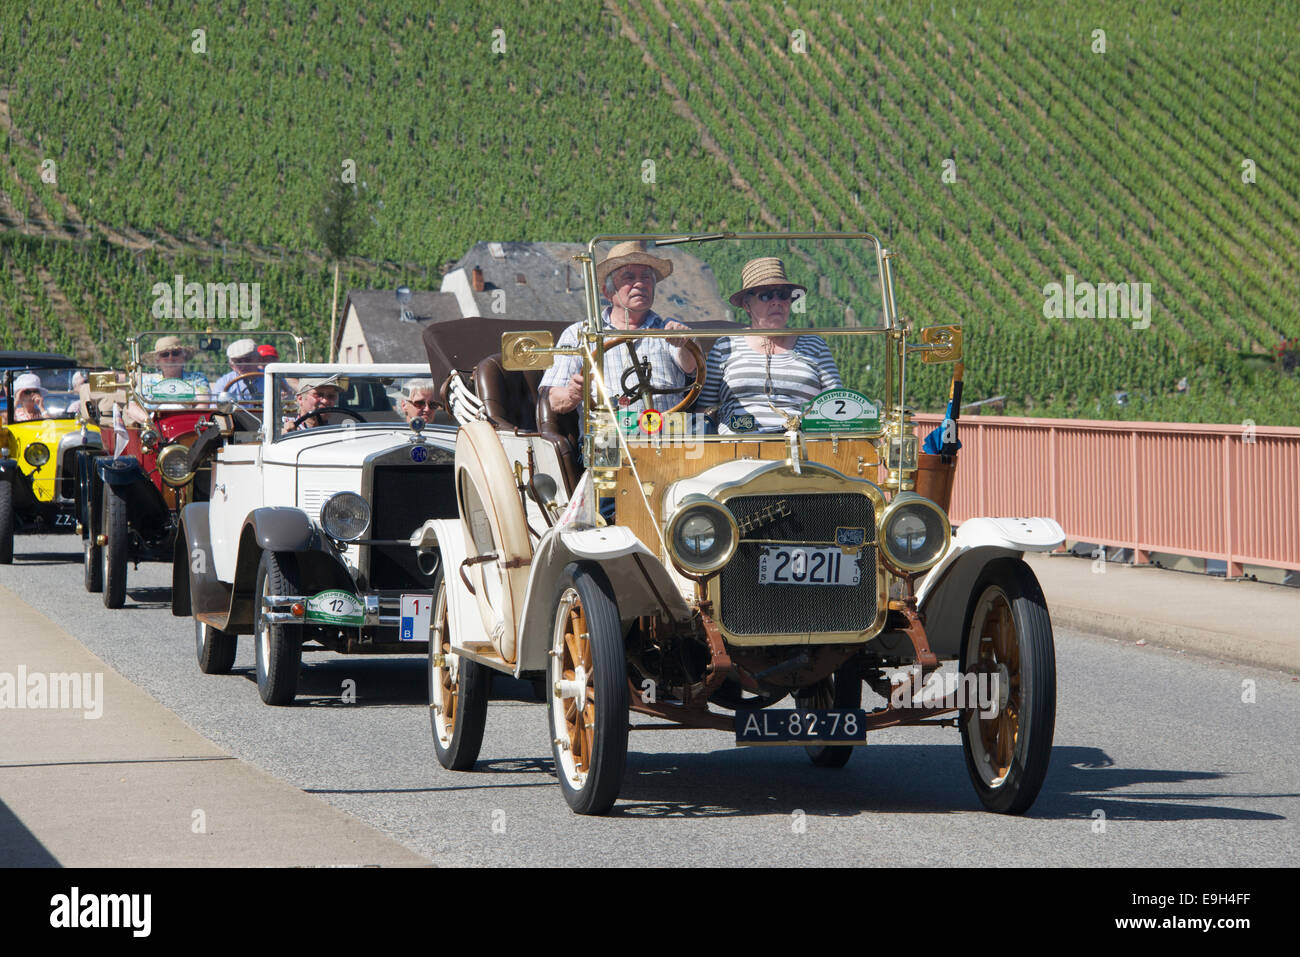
996,149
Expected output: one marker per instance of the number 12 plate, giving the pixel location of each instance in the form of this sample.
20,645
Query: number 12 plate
801,726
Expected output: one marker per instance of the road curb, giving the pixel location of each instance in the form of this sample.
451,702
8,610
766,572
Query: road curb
1276,653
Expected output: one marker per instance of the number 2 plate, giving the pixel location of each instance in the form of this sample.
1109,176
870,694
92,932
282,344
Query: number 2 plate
801,726
802,565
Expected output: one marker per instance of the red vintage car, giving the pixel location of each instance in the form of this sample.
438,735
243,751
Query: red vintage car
184,395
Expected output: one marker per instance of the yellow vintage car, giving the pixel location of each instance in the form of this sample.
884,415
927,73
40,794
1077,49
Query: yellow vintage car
39,442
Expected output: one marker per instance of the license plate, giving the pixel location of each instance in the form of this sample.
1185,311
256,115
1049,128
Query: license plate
803,565
64,520
801,726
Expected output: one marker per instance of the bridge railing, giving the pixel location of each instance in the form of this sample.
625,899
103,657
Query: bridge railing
1227,492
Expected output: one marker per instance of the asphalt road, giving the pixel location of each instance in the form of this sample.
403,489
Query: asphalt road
1184,771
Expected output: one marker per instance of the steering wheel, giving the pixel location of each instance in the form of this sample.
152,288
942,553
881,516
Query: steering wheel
643,389
242,403
318,413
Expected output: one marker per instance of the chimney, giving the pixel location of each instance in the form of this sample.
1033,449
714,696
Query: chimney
476,279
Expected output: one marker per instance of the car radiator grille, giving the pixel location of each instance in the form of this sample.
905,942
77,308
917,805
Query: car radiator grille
748,608
404,497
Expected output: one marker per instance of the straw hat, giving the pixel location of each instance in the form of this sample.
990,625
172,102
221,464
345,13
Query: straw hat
632,253
764,271
166,343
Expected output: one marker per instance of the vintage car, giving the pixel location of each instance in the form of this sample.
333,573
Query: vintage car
38,456
305,541
742,567
179,400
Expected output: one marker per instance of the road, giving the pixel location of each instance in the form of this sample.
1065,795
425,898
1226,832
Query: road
1157,760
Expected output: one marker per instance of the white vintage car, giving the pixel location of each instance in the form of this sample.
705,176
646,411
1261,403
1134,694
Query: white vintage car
798,547
305,543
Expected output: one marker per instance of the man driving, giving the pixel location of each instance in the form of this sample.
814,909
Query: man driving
628,277
315,395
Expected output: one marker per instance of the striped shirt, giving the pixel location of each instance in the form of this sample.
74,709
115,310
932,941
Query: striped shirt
665,373
742,382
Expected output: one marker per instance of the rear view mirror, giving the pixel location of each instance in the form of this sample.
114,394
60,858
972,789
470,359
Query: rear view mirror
519,350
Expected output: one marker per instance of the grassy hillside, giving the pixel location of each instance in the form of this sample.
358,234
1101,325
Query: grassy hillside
998,150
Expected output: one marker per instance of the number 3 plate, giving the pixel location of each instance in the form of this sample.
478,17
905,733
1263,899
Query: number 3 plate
801,726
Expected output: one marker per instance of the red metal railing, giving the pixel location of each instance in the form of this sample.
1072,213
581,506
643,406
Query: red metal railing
1228,492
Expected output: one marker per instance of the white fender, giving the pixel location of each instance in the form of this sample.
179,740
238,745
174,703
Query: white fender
493,520
641,584
944,593
463,617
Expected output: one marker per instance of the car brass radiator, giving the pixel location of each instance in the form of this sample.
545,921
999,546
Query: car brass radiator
750,608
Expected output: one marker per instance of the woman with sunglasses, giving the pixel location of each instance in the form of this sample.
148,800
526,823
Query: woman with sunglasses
753,380
170,354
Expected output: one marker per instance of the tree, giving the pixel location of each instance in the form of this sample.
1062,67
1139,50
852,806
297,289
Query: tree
340,222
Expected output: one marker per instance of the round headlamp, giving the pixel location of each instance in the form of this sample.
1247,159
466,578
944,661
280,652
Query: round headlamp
345,516
174,464
914,532
37,454
701,536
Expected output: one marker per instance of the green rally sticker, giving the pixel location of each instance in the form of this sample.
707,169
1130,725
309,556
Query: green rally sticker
335,607
172,389
841,410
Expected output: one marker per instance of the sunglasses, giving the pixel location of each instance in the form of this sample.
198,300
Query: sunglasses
172,354
420,403
767,295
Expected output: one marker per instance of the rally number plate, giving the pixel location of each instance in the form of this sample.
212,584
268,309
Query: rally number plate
802,726
804,565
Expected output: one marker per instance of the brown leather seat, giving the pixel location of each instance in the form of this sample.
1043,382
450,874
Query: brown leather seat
512,401
510,398
562,430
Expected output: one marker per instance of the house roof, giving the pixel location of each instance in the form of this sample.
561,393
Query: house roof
551,286
388,338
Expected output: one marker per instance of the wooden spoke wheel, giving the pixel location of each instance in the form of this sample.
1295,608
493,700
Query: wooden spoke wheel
587,701
458,696
1008,647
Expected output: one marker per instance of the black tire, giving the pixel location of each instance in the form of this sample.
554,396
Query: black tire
6,522
215,648
1007,754
842,690
458,697
279,646
92,562
115,550
590,767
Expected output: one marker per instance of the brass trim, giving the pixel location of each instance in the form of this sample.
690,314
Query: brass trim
901,501
780,478
701,571
942,344
520,350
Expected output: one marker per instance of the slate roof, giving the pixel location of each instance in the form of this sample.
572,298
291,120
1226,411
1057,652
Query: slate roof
388,338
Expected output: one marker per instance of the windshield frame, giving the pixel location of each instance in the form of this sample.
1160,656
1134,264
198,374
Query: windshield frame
272,412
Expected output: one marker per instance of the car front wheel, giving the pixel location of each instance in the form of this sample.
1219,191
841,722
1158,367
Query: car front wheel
1008,648
458,696
6,523
114,551
842,691
279,645
587,701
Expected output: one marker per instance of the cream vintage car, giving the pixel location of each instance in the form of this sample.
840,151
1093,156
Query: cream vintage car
304,542
752,581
